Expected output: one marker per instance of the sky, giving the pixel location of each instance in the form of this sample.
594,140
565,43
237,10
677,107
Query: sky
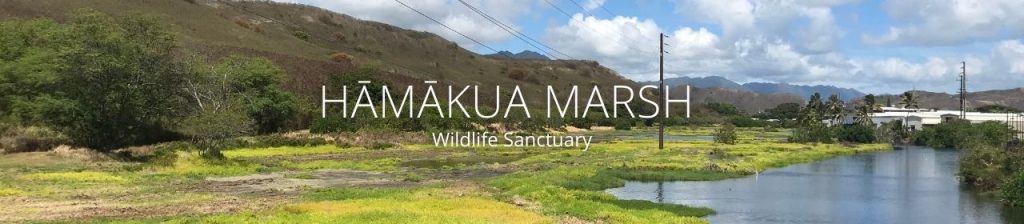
875,46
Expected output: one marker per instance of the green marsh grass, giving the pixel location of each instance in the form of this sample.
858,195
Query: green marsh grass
73,177
387,164
287,151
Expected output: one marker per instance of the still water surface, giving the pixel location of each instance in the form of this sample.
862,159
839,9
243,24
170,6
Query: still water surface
914,185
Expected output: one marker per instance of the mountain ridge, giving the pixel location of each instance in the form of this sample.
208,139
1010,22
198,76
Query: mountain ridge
523,55
803,91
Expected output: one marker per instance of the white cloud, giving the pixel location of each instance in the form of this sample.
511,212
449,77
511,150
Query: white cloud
809,23
771,40
593,4
610,41
949,22
1010,54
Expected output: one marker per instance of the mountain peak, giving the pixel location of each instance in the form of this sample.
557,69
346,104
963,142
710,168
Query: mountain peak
526,55
804,91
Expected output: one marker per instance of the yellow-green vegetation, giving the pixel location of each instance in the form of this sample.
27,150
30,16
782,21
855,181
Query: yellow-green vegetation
521,185
6,192
85,176
576,191
410,205
388,164
192,165
287,151
744,133
573,185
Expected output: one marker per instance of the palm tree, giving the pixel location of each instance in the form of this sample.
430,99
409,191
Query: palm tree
815,103
872,103
909,100
864,115
834,109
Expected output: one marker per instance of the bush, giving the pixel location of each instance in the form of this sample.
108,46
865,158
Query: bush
983,166
87,76
30,139
812,134
343,58
517,74
857,133
299,33
624,124
1013,192
726,134
960,134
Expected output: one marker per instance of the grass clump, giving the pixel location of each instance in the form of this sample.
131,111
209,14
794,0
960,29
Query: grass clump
285,151
85,176
7,192
191,164
335,194
387,164
363,205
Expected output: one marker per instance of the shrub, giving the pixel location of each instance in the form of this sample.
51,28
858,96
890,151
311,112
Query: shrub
87,76
343,58
299,33
812,134
983,166
857,133
242,23
726,134
960,134
29,139
339,36
1013,192
624,124
517,74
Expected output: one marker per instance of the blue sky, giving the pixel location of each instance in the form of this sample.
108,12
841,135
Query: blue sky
877,46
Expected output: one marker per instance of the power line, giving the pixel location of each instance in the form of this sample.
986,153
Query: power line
449,28
584,24
606,10
325,39
513,31
584,9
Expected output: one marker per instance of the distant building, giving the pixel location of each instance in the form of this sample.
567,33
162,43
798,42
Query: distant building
916,119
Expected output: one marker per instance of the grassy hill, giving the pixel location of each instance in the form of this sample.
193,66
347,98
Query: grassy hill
1008,97
312,43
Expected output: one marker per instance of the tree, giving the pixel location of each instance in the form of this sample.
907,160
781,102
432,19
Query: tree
815,104
726,134
105,82
250,84
857,133
909,100
784,111
868,106
258,81
211,125
871,102
834,109
996,108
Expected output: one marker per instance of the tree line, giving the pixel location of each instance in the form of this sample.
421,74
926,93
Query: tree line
109,82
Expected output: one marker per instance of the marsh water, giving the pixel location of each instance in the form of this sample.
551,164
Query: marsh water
912,185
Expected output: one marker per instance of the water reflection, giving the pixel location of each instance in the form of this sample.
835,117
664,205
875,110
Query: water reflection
915,185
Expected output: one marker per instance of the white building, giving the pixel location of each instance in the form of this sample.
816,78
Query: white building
920,118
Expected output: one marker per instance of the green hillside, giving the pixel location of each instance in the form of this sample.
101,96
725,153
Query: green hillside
302,40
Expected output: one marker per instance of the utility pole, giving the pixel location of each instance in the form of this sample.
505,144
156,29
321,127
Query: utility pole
661,90
963,90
